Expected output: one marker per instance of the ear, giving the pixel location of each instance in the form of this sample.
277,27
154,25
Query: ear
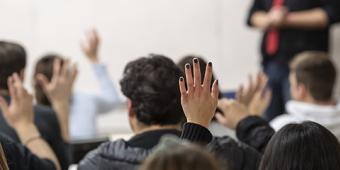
131,113
22,74
302,91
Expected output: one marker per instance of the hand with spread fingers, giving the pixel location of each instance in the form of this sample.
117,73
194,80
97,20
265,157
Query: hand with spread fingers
256,97
199,101
20,111
90,47
233,113
59,91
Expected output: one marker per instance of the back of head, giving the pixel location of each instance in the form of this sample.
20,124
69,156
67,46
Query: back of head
151,83
317,72
44,66
302,146
12,60
172,155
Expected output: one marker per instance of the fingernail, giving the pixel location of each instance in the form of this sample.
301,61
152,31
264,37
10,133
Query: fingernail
187,66
195,60
210,64
181,79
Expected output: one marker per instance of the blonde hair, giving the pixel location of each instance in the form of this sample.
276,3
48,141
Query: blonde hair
3,161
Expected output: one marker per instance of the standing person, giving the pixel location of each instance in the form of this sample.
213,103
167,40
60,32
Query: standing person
290,27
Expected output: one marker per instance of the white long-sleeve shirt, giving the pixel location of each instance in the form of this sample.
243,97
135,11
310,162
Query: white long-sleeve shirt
85,106
327,116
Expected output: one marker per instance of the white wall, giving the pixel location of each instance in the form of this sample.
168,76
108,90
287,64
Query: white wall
132,28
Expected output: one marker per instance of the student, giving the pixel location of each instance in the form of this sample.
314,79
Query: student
13,60
302,146
289,28
154,110
19,115
181,156
84,105
312,79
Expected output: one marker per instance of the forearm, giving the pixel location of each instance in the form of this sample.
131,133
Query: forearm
260,20
311,19
63,109
30,137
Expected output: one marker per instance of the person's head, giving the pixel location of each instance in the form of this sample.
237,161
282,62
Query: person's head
302,146
151,86
173,155
188,59
12,60
312,77
44,66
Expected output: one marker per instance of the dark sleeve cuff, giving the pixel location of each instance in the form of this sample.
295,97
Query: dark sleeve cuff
255,132
196,133
249,123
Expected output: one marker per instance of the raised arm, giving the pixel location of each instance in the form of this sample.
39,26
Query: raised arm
59,92
199,102
108,97
19,115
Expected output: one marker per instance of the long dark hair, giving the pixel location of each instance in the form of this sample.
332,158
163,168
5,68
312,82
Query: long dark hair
302,146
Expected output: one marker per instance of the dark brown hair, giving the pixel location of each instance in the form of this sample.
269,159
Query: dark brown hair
180,156
44,66
317,72
12,60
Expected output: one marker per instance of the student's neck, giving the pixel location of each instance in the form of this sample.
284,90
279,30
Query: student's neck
156,127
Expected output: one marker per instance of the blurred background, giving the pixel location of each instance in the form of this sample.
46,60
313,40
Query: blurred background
129,29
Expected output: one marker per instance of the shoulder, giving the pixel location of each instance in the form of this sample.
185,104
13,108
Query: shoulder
234,154
112,154
281,121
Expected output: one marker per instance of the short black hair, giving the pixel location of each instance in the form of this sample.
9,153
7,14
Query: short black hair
12,60
151,83
317,72
302,146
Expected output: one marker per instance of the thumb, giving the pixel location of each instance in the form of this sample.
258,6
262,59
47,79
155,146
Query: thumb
42,79
220,118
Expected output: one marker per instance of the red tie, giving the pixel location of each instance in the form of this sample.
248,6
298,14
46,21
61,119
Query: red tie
272,40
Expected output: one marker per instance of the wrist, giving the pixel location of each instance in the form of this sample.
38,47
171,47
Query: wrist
199,122
26,131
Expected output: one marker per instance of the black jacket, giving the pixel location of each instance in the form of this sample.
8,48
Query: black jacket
20,158
120,155
47,123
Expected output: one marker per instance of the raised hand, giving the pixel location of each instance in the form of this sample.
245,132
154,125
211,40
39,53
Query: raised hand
59,89
233,113
199,101
256,97
20,111
90,47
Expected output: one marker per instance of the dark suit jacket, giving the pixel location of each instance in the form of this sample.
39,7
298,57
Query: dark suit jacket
47,123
